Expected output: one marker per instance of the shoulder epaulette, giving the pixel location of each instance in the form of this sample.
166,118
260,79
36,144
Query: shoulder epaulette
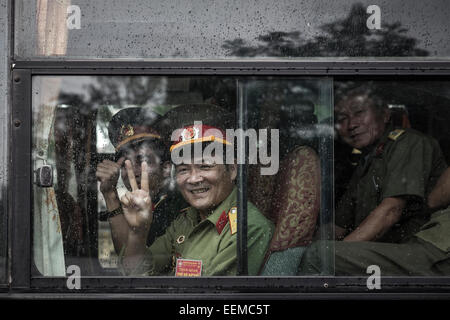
184,210
395,134
355,155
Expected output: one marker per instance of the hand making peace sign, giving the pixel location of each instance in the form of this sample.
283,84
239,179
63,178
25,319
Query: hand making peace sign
137,204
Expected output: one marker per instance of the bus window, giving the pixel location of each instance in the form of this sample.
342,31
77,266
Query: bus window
297,117
99,134
83,127
86,129
393,215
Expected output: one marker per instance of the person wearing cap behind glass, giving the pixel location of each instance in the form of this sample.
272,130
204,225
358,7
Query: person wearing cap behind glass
202,240
387,217
132,132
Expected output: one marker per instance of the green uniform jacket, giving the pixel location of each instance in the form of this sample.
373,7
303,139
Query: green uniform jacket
405,163
168,206
190,238
437,230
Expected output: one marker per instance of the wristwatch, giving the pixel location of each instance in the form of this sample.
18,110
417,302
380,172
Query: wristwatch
105,215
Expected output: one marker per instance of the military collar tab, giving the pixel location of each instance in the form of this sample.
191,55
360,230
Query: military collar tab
226,204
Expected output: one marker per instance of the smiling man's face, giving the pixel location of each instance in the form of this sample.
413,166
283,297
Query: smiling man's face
205,185
358,122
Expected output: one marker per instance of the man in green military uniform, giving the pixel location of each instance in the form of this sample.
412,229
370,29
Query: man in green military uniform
386,197
202,240
132,132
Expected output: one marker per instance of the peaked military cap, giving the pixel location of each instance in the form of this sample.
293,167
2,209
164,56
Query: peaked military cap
180,126
133,125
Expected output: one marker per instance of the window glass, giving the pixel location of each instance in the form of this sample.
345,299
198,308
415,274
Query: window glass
85,128
390,153
288,186
391,178
230,29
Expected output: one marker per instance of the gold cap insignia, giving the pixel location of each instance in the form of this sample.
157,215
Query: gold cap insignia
189,133
127,130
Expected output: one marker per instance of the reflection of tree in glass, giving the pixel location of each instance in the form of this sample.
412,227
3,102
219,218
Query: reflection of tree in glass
348,37
125,91
160,93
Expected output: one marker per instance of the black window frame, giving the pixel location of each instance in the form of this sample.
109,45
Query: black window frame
277,287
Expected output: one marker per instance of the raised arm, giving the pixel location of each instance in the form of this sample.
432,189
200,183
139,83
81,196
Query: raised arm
108,173
138,213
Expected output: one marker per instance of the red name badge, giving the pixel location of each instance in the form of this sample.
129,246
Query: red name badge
188,268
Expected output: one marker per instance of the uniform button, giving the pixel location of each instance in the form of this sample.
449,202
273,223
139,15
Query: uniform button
180,239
